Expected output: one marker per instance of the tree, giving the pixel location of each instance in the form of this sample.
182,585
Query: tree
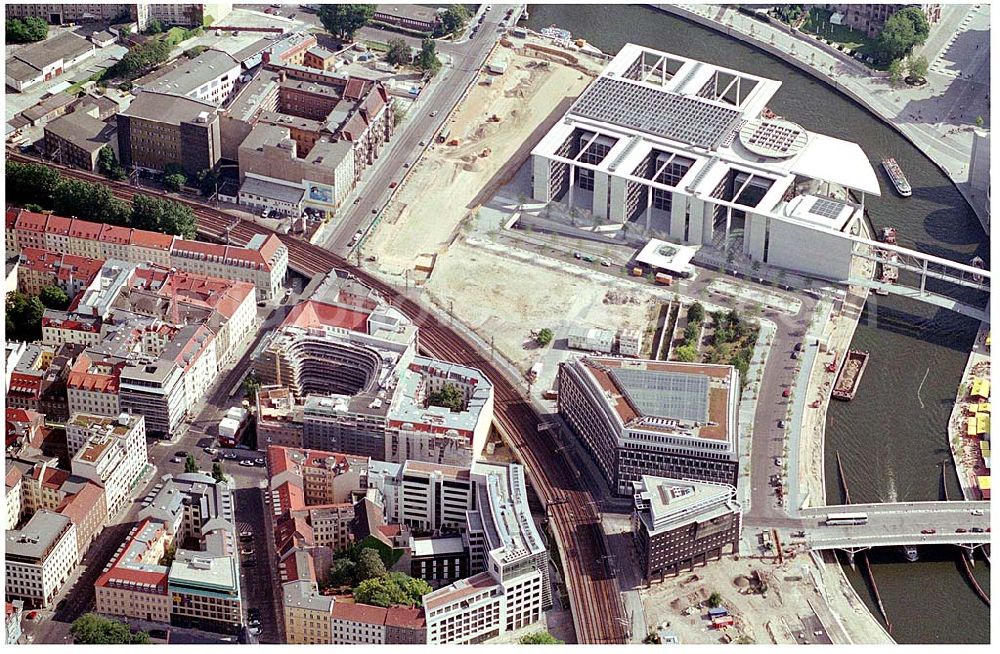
54,297
190,465
217,473
902,31
540,638
163,215
342,572
30,183
107,163
896,71
652,638
399,52
155,27
686,353
917,66
91,629
26,30
23,318
691,333
391,589
169,552
980,122
251,384
544,337
427,60
696,313
369,565
450,397
453,20
175,181
715,600
344,20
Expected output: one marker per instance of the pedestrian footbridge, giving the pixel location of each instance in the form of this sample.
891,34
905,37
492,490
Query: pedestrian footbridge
925,267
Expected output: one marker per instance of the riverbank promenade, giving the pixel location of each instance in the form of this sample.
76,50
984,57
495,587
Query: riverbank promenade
969,426
939,118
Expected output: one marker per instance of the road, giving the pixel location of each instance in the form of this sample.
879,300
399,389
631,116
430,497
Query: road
463,61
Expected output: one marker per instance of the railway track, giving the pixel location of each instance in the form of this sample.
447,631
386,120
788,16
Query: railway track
598,612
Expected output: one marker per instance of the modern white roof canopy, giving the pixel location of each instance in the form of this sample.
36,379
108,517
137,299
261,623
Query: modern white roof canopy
841,162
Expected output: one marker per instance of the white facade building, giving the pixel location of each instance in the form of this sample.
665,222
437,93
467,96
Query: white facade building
114,455
39,558
591,339
689,151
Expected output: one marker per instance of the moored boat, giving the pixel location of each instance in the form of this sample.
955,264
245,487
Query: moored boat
897,177
850,375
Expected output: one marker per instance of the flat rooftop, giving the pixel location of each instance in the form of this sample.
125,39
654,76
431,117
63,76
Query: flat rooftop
666,503
690,399
438,546
411,395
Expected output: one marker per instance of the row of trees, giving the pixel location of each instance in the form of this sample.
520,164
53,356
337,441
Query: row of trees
43,187
140,59
26,30
688,350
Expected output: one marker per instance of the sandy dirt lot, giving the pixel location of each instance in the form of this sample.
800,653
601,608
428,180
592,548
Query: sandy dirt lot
493,304
528,98
792,611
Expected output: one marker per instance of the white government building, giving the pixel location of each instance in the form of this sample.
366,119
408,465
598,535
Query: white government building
690,152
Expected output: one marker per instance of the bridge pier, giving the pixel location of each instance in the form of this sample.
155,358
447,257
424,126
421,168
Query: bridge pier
851,551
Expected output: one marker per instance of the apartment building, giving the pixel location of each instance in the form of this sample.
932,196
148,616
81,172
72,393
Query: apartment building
363,624
114,455
279,418
639,417
679,523
40,268
135,583
39,558
13,494
92,388
263,262
36,377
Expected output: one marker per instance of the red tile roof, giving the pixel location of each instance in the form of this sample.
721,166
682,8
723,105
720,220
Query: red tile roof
85,229
405,617
58,225
115,234
362,613
318,314
31,221
77,507
152,240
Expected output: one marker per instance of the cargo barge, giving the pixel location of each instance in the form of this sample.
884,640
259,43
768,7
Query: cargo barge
850,375
897,177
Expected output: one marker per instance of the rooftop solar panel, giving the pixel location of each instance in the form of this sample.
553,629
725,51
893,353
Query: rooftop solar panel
665,394
826,208
657,112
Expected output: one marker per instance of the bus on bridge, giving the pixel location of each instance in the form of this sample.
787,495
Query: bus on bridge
847,519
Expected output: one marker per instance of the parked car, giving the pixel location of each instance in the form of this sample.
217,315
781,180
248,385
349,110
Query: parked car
977,530
961,530
434,113
778,461
246,534
795,355
392,185
781,424
928,531
211,450
977,512
786,393
247,463
798,347
577,255
605,263
259,461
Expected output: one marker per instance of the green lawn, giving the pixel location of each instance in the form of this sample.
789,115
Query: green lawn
818,22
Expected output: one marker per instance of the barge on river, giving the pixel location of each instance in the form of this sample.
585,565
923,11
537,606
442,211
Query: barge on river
850,375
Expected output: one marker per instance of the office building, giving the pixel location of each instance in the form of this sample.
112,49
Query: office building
690,152
159,129
641,417
677,523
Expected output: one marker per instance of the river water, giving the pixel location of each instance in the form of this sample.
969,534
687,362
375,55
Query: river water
893,437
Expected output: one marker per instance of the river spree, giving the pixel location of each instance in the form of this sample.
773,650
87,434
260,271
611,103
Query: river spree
892,437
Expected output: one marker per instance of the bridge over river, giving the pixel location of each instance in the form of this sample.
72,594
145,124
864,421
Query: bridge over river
899,523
